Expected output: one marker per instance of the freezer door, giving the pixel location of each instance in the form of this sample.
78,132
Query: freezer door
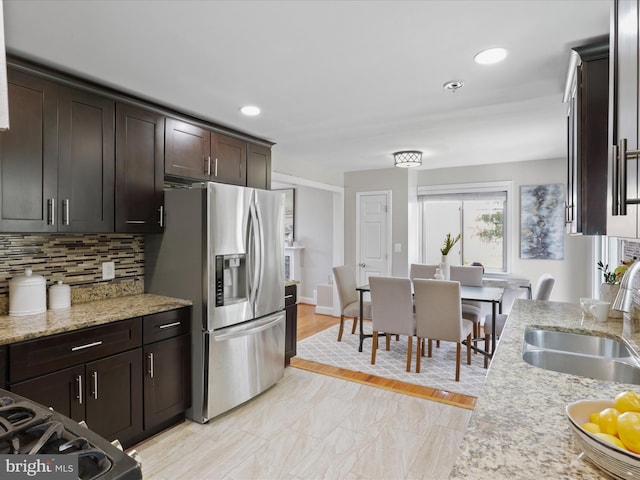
227,210
268,289
242,361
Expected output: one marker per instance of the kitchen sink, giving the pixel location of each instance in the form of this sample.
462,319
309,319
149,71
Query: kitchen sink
577,343
586,355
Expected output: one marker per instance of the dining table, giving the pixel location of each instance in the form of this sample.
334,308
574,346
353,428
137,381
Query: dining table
491,295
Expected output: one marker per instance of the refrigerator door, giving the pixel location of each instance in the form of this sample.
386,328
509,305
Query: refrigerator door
268,221
227,221
241,362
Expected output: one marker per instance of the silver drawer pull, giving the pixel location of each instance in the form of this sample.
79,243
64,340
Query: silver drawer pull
79,382
150,356
88,345
288,296
95,385
169,325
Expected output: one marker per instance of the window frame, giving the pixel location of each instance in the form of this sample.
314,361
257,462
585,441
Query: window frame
471,188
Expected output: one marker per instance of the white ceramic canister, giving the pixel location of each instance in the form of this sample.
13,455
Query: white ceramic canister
59,296
27,294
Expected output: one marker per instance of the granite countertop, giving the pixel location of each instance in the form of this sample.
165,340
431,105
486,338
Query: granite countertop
83,315
519,429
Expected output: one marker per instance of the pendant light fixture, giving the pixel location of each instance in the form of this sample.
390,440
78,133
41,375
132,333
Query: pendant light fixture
408,158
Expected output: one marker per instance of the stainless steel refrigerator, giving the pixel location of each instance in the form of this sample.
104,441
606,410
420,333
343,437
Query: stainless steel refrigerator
223,249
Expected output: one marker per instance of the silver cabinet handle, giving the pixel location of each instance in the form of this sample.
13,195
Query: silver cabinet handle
215,173
88,345
65,212
161,209
51,206
150,357
288,296
615,183
208,170
79,382
169,325
95,385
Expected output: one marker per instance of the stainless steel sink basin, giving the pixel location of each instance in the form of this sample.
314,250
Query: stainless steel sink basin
577,343
586,355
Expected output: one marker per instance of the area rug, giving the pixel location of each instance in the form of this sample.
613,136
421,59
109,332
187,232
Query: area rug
436,372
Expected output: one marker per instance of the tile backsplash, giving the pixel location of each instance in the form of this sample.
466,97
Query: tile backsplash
75,259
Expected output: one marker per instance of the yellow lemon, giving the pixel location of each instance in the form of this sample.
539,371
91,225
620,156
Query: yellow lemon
611,439
628,401
591,427
629,430
594,417
608,421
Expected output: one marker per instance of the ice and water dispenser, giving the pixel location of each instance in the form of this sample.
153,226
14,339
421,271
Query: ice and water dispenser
231,279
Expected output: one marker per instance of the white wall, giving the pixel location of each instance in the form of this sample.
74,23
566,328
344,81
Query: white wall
573,274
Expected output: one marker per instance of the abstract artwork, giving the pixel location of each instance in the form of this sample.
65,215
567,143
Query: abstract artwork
542,222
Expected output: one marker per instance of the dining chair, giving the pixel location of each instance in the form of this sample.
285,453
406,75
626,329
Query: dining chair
348,298
542,292
439,317
421,270
471,276
392,312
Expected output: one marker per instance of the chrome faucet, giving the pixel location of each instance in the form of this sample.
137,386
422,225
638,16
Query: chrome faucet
624,299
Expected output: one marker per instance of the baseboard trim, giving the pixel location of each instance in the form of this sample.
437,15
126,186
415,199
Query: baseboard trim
324,310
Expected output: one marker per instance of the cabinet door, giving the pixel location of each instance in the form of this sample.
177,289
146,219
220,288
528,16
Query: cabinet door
624,107
229,160
86,163
167,380
139,170
114,396
291,329
258,167
29,156
63,390
187,150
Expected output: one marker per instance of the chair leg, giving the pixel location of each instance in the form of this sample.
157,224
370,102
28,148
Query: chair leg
355,323
419,350
430,348
409,348
437,344
374,347
397,338
469,350
476,334
486,349
458,348
341,328
388,339
422,347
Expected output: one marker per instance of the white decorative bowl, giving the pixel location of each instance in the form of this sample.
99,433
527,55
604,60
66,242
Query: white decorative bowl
617,462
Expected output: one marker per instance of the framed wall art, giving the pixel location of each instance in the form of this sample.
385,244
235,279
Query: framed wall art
542,222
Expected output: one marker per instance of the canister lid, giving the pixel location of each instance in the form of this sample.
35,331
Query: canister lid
27,279
59,286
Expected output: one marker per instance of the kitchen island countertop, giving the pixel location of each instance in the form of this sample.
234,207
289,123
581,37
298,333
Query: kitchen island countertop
518,429
83,315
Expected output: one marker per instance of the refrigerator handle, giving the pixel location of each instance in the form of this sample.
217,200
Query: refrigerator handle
254,256
259,249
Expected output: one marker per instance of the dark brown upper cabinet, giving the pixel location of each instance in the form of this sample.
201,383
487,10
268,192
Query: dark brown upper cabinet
139,194
196,153
587,151
57,159
29,156
258,166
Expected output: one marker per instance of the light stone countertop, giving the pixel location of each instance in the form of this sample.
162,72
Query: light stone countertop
83,315
519,429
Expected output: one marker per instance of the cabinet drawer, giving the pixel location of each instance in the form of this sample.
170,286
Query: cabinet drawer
161,326
44,355
290,294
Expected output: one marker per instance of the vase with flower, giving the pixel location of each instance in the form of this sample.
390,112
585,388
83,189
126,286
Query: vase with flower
609,289
449,242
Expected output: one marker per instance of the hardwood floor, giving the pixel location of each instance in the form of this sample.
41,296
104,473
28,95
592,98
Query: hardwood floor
310,323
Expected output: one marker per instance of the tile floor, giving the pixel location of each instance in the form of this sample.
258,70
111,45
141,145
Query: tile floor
311,426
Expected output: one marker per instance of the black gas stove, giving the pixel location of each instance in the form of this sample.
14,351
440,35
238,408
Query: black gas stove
28,428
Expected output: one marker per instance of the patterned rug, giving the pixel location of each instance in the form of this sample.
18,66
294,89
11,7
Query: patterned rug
439,371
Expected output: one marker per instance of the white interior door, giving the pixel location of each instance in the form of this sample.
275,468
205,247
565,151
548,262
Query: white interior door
373,235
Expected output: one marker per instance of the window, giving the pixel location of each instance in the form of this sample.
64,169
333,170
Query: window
479,212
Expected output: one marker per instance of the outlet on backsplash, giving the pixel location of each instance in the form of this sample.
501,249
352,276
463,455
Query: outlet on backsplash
108,271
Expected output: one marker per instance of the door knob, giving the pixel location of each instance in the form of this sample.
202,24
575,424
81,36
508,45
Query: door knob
362,265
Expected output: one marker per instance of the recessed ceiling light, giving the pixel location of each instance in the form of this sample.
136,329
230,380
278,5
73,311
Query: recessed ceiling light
250,110
453,85
490,56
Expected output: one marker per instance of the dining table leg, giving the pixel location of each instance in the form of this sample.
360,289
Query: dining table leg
361,320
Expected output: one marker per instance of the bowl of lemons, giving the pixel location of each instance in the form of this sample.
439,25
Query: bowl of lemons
608,432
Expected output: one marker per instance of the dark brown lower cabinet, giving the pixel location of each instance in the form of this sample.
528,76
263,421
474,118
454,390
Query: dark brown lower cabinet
166,380
291,334
107,394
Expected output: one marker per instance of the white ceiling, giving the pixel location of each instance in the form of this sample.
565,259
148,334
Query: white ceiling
341,84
